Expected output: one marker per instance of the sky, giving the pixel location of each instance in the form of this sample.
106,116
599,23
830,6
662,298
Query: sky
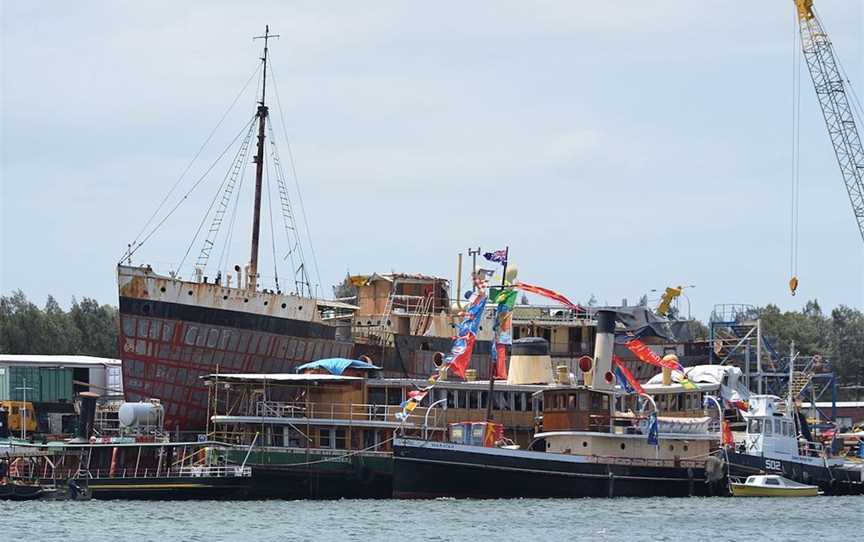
616,147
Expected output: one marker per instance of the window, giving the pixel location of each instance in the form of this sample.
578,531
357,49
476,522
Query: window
341,439
778,427
473,399
571,401
191,335
451,398
324,436
754,427
772,482
142,328
583,400
769,428
129,326
154,330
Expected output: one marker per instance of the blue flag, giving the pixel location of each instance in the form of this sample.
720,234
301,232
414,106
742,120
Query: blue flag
653,430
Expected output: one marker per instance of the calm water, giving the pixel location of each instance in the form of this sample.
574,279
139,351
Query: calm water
828,518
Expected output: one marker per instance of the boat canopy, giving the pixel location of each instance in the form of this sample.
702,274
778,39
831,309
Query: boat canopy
337,366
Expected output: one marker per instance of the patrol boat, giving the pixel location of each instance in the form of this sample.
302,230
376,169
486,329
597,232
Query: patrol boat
778,440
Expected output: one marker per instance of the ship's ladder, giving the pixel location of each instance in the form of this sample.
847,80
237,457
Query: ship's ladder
385,327
424,315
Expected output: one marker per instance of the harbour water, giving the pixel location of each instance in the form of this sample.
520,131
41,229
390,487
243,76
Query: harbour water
828,518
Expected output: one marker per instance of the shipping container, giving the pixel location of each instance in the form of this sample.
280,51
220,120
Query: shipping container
44,384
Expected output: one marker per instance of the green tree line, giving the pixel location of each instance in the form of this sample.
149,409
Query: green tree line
87,328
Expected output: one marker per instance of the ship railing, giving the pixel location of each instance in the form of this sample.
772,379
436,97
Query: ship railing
186,471
352,412
551,314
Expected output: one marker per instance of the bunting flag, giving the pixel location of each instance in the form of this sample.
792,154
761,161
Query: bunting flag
499,256
549,294
502,328
625,378
460,353
466,334
646,355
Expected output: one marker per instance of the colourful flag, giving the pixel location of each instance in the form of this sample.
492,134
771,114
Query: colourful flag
549,294
499,256
502,328
466,334
625,378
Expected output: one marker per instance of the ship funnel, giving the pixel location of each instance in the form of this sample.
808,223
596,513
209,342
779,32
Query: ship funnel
530,362
86,414
602,377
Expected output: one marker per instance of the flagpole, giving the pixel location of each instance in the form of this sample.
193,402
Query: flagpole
495,342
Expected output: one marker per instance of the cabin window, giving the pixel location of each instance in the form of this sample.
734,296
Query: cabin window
324,438
377,396
340,439
394,396
473,399
559,401
571,401
523,402
128,326
772,482
778,427
754,427
451,398
769,428
502,400
483,399
583,400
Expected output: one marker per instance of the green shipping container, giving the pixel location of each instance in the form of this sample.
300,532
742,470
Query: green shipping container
55,385
44,384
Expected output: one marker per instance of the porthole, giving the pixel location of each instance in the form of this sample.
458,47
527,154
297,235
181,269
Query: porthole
671,448
265,303
162,289
584,444
284,305
245,301
686,447
300,308
225,297
623,446
190,292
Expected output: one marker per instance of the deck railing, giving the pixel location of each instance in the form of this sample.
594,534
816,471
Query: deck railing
352,412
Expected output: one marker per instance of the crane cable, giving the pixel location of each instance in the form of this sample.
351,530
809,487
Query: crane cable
796,156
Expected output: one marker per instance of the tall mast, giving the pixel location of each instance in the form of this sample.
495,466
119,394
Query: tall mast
259,165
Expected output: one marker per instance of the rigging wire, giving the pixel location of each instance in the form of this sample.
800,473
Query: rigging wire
215,198
129,253
226,247
796,156
272,233
294,173
195,157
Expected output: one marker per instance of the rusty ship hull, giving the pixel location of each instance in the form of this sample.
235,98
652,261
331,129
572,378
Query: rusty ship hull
172,332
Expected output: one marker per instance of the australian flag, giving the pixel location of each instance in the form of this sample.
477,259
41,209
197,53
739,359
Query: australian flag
499,256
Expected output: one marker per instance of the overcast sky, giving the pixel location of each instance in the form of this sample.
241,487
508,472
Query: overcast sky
616,146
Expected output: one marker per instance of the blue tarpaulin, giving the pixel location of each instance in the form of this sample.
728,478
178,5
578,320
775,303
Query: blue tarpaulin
337,366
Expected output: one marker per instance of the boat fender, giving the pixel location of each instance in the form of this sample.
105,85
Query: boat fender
714,469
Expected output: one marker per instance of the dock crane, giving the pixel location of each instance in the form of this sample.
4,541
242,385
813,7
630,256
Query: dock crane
839,118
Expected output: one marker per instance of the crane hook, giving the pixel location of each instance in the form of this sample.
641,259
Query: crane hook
793,284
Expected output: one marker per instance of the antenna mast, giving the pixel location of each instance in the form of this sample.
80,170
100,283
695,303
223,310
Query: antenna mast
259,165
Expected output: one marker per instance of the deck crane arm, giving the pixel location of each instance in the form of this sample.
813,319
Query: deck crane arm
831,93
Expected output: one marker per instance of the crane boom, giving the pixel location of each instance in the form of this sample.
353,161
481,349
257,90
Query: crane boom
831,93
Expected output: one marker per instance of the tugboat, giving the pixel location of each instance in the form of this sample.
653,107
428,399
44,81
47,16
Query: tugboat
593,441
327,432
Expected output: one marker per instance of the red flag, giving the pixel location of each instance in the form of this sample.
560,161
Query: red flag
641,351
501,364
461,353
550,294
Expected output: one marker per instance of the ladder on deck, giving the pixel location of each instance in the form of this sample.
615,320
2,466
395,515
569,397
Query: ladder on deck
424,315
